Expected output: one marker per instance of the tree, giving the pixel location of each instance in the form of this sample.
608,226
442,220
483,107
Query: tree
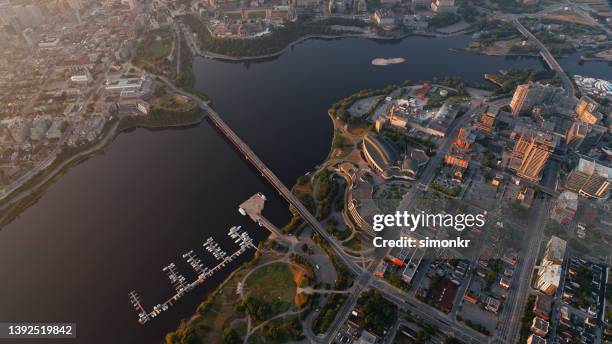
230,336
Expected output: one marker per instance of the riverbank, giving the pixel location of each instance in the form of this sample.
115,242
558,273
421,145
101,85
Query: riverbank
28,193
583,58
228,58
207,53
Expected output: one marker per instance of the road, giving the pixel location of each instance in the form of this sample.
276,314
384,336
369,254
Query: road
517,296
271,177
550,190
568,85
429,314
514,306
364,279
393,294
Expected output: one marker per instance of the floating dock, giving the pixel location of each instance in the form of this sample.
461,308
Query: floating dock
179,282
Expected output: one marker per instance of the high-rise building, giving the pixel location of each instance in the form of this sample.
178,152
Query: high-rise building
577,131
587,110
486,122
590,179
530,154
464,139
549,271
529,95
555,251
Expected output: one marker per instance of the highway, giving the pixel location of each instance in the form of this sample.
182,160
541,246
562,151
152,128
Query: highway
568,85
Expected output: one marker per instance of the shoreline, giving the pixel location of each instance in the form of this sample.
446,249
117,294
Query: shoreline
43,179
227,58
526,55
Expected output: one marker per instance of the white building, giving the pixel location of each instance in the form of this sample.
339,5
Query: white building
549,273
548,279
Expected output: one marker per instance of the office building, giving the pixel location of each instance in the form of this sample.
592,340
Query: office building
555,251
529,95
589,179
577,131
565,207
587,110
530,154
379,155
130,87
486,122
549,271
549,278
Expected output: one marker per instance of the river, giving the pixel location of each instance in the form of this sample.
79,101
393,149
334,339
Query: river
111,223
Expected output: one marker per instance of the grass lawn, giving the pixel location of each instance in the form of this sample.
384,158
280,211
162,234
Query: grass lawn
174,103
354,243
153,50
570,17
215,314
156,45
273,282
283,330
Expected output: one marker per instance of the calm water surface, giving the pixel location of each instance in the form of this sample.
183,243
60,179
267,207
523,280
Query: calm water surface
110,224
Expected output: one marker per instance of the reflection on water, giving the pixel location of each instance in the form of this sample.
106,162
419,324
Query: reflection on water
110,224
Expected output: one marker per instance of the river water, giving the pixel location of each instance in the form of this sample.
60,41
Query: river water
110,224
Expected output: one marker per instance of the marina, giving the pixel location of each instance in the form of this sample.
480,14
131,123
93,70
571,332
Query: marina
180,283
68,222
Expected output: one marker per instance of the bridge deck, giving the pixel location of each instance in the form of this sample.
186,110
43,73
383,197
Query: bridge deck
280,187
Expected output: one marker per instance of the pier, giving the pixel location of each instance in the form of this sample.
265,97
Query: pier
253,208
179,282
245,150
300,209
